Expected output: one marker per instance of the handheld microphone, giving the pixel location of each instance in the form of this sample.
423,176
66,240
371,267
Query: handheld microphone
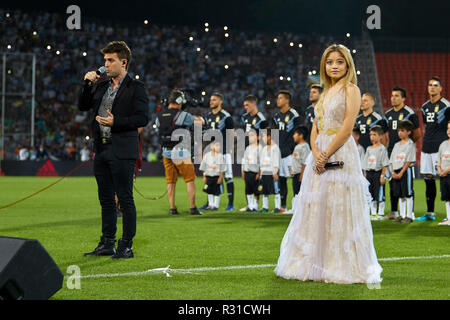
100,71
334,164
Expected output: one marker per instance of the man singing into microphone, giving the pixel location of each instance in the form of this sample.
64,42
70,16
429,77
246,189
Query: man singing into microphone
120,106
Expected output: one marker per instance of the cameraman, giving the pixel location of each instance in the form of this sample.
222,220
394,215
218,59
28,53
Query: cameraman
176,156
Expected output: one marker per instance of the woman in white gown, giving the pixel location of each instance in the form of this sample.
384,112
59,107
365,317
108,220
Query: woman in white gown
330,235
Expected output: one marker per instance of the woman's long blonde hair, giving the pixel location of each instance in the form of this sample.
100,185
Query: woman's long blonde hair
350,76
325,80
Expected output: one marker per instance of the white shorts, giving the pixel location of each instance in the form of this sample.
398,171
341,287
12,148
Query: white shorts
286,162
428,163
229,164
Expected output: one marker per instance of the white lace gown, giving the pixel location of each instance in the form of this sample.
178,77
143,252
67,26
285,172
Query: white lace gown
330,235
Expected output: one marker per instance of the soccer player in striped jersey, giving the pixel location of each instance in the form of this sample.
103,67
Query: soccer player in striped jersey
314,95
221,120
285,120
252,119
436,114
368,119
399,112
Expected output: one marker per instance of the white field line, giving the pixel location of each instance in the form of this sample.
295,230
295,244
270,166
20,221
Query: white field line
167,270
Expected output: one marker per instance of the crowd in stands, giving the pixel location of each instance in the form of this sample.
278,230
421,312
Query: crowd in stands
233,62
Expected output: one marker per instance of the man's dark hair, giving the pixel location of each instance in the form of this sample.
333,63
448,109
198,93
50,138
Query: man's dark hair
119,47
251,98
316,86
286,93
378,129
403,91
406,125
218,94
174,95
437,79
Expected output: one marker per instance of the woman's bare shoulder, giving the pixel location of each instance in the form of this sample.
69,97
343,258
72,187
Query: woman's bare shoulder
352,89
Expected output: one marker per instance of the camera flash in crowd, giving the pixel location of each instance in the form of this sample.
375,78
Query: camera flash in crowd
347,35
275,40
206,57
358,72
226,35
354,50
191,38
268,102
137,77
288,78
300,45
58,52
291,44
225,28
206,24
9,47
145,21
226,66
84,54
203,93
49,47
87,138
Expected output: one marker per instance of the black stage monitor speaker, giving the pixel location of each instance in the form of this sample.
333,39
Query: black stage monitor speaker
27,272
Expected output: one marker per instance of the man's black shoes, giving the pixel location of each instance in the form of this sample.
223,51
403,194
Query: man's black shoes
195,211
106,247
173,211
124,250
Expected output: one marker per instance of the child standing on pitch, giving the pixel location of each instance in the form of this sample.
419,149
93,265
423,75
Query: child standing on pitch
374,164
301,152
443,168
213,168
270,158
402,161
250,170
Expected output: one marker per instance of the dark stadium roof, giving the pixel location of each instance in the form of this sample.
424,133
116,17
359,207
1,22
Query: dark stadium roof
399,18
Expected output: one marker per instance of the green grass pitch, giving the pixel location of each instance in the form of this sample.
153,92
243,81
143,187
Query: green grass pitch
66,220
